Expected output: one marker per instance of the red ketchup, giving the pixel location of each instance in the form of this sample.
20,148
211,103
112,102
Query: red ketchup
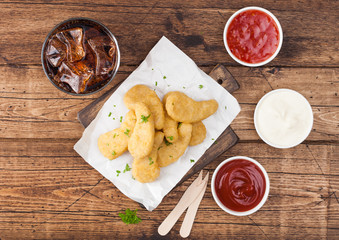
253,36
240,185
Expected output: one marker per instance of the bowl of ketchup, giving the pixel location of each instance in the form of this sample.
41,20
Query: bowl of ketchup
253,36
240,185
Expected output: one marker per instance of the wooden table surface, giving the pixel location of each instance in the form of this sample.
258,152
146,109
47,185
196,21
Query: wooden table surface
48,191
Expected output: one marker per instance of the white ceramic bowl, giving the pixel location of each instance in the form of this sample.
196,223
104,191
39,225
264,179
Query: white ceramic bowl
267,141
222,206
280,37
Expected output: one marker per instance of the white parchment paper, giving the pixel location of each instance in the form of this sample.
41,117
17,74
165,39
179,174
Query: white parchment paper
166,68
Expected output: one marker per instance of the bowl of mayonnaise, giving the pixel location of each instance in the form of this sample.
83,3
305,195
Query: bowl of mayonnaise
283,118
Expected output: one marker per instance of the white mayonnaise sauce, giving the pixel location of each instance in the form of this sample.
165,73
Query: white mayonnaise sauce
283,118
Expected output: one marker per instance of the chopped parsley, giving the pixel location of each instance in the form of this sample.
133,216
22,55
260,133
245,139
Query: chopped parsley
130,217
168,85
212,138
133,178
167,142
120,118
164,77
113,118
192,161
127,168
127,132
114,153
110,114
115,135
170,138
159,148
184,87
225,107
152,69
118,172
179,124
201,86
107,144
150,161
114,105
170,156
156,83
144,119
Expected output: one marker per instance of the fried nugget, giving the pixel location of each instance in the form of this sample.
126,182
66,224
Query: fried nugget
171,152
147,169
170,129
143,94
198,133
141,142
114,143
182,108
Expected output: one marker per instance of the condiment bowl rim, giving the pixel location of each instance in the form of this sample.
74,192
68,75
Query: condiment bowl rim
279,29
44,45
221,205
256,122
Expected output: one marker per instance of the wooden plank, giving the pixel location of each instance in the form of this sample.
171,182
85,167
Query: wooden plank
201,39
74,197
29,97
226,140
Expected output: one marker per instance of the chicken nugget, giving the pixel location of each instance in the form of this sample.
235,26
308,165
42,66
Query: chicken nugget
114,143
170,152
143,94
198,133
147,169
141,142
170,129
182,108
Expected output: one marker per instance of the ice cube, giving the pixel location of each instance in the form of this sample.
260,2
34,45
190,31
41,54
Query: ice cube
76,75
104,50
55,52
73,39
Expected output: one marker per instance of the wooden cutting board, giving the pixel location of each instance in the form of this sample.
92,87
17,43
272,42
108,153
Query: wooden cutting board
225,141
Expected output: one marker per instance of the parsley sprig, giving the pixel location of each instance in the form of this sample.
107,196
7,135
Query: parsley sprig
127,168
130,217
144,119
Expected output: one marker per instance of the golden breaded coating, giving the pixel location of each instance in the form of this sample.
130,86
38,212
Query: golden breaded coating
171,152
182,108
170,129
198,133
143,94
114,143
141,142
147,169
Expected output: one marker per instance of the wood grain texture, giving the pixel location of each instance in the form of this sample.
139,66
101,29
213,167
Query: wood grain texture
48,192
196,27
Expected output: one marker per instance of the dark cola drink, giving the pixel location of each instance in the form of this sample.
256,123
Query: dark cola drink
81,56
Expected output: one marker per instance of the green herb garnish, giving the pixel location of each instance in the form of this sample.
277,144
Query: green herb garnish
150,161
152,69
144,119
170,156
201,86
212,138
110,114
159,148
130,217
156,83
164,77
127,168
114,105
170,138
113,118
114,153
114,135
120,118
225,107
118,172
167,142
179,124
184,87
127,132
192,160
